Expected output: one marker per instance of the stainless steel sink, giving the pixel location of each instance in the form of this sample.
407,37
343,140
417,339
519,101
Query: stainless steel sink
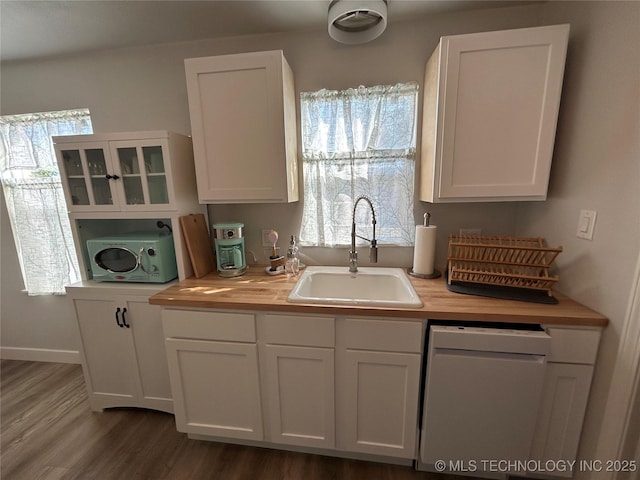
369,286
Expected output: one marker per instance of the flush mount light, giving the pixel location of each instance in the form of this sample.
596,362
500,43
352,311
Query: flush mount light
357,21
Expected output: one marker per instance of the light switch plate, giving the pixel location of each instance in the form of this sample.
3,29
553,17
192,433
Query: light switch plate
586,224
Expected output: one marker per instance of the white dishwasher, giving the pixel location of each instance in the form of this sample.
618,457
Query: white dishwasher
482,391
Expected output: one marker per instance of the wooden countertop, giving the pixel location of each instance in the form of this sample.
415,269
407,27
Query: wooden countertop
257,291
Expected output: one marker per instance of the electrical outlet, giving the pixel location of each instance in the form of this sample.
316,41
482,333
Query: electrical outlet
265,237
470,231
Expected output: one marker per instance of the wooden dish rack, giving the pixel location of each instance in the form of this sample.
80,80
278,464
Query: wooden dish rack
505,261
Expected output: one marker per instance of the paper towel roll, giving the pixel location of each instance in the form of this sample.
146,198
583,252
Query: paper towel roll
424,251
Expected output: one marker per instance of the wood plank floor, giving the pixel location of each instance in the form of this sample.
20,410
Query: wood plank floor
49,432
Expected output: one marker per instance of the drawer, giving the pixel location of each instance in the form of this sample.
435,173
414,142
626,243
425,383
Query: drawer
301,330
233,327
573,345
382,335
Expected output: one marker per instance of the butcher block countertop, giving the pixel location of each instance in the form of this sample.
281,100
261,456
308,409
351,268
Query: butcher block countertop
257,291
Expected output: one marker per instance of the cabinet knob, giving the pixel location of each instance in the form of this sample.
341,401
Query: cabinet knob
118,318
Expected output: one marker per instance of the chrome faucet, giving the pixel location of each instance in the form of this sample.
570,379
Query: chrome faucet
373,251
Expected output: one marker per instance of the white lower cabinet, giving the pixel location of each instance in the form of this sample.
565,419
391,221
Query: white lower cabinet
213,365
299,395
378,391
217,388
123,355
350,384
297,357
565,394
562,410
303,381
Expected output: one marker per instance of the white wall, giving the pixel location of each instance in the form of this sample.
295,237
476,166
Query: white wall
144,89
596,164
31,327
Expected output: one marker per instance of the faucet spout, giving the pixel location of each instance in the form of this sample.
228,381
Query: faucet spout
353,253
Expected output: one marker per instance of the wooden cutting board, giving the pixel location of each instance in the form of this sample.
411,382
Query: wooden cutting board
196,236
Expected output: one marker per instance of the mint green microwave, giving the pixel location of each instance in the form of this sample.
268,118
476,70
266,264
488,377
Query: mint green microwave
133,257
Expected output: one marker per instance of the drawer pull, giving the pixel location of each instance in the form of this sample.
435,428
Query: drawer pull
124,319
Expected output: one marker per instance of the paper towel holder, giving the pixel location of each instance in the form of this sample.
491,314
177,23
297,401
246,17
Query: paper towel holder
436,273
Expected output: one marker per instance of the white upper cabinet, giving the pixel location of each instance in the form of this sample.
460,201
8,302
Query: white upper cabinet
243,122
490,111
126,172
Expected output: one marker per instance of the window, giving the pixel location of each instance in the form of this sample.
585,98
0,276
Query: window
34,196
359,141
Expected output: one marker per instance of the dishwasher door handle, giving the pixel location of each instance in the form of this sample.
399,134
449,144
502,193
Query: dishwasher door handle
526,357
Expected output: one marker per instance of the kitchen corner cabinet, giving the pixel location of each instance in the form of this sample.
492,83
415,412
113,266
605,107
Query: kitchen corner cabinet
565,394
213,366
377,386
243,122
125,172
122,349
490,110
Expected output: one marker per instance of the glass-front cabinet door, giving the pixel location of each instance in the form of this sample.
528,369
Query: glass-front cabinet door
90,182
116,175
145,176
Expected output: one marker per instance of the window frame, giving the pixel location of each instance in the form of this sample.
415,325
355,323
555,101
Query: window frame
34,197
367,146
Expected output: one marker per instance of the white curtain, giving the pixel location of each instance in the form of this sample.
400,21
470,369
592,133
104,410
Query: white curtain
359,141
34,196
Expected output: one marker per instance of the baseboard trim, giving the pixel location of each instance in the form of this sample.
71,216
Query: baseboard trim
40,355
407,462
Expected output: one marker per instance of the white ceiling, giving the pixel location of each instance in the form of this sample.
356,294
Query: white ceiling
33,29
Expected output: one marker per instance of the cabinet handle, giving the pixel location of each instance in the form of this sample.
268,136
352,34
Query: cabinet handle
115,177
111,177
124,320
118,318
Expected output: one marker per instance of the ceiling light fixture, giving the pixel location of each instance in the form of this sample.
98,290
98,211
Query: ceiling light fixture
357,21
